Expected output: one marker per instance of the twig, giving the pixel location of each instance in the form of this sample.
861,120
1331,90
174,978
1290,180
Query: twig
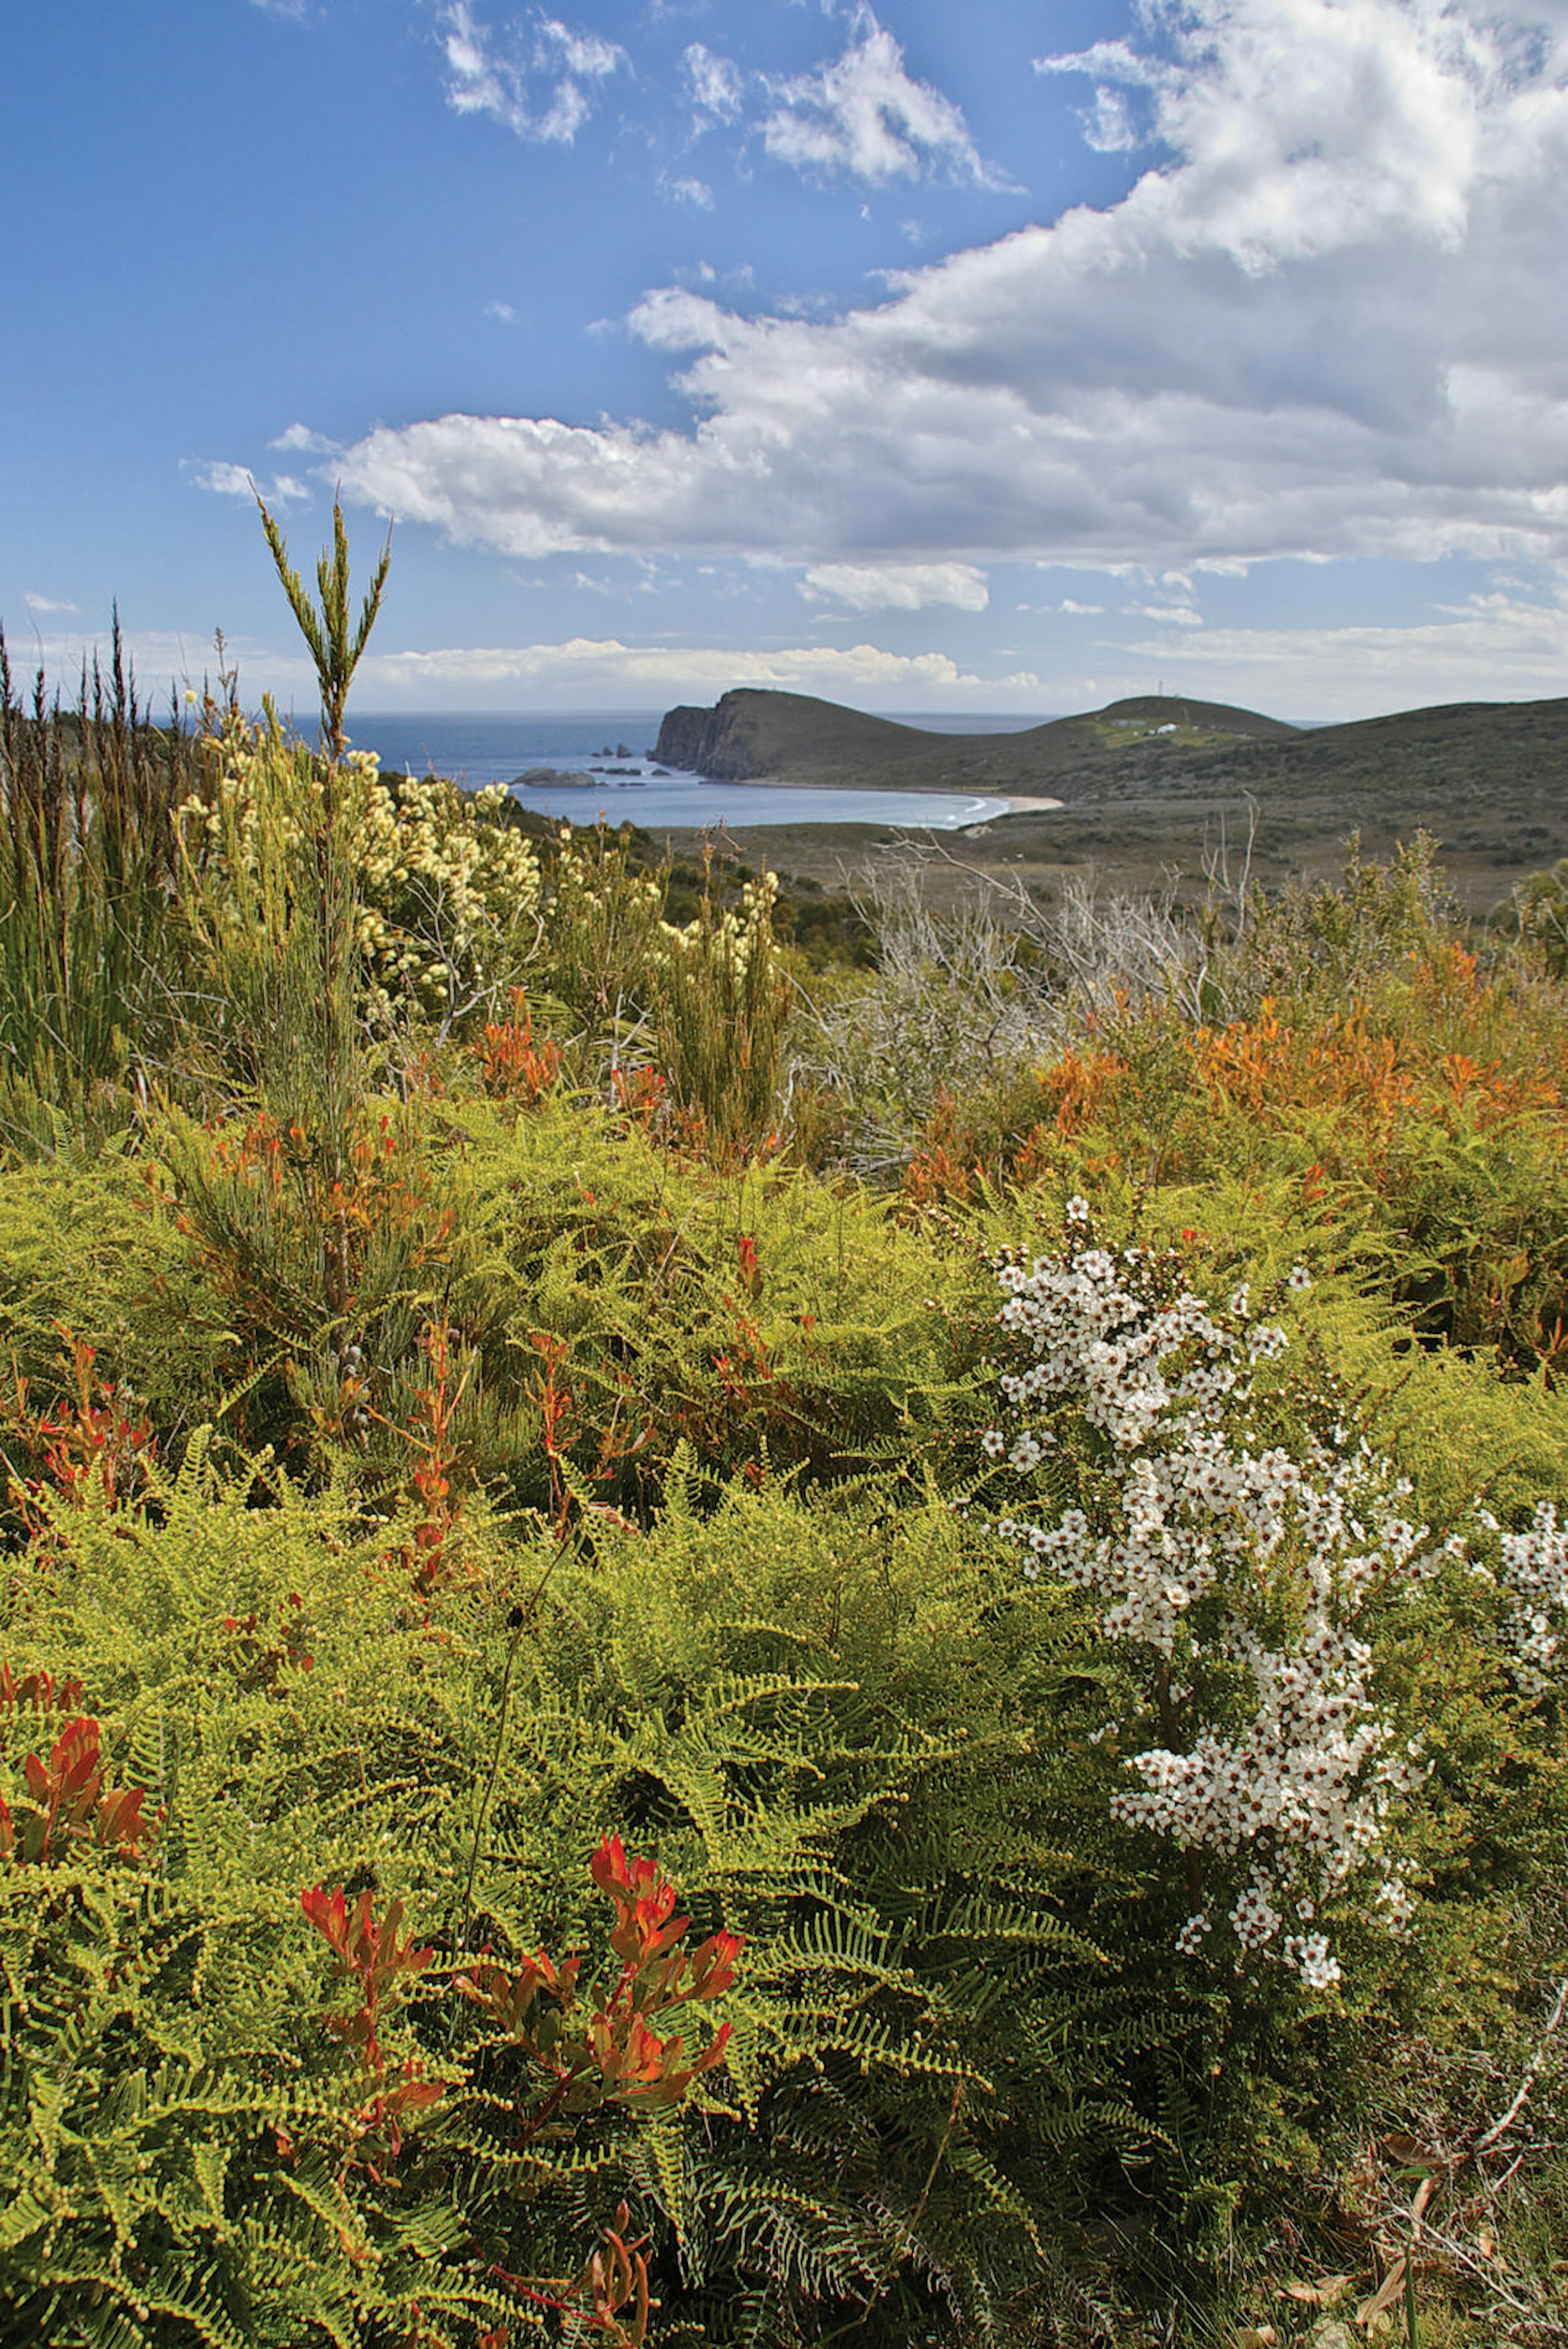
1531,2074
885,2278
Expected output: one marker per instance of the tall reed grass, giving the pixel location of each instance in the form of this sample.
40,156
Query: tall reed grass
89,989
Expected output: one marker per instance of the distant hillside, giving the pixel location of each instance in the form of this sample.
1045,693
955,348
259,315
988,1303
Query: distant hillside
751,734
1154,786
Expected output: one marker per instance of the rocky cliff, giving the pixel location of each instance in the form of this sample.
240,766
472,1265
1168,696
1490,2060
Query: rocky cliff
689,738
752,732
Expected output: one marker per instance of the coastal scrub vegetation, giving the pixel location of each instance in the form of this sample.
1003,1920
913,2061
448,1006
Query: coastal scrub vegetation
711,1638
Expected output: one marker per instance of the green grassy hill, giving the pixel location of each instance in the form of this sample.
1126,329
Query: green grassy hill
1153,784
750,735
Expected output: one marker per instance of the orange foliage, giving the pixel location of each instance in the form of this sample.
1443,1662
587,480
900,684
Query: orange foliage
374,1194
101,1432
943,1166
512,1066
1082,1086
1271,1068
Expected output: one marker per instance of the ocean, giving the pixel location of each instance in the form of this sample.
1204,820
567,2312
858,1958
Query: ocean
493,748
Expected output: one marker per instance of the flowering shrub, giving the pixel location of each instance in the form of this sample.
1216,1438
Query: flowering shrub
1236,1574
720,999
447,896
1533,1571
451,896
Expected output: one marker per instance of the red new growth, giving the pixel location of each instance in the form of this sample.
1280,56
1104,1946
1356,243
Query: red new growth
657,1973
613,2054
645,1929
71,1806
369,1956
643,1900
40,1690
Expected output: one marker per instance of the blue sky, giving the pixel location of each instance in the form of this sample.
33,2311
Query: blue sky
1001,356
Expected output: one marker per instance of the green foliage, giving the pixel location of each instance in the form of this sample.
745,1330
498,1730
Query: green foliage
86,864
1536,913
463,1466
721,1003
335,646
791,1737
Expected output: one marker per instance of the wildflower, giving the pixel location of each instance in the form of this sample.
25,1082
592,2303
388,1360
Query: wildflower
1302,1785
1534,1572
1299,1279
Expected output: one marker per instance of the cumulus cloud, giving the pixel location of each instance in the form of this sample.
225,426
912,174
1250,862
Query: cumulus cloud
37,603
863,115
300,440
228,481
606,667
899,587
543,89
1317,328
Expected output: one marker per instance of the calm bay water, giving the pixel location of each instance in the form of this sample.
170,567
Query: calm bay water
489,748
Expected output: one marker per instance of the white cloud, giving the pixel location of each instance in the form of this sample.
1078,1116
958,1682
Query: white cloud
228,481
37,603
503,311
581,53
899,587
483,78
1109,129
689,191
605,668
864,116
164,656
300,441
715,86
1499,645
1320,328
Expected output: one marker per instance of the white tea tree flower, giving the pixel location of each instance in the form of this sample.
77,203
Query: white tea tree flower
1235,1575
1533,1572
